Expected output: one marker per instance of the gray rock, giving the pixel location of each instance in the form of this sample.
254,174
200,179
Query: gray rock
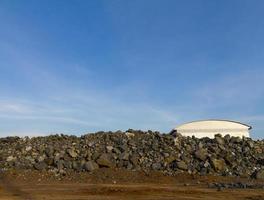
10,159
91,166
49,151
72,153
156,166
220,140
40,165
109,148
28,148
60,165
201,154
49,161
260,174
228,156
106,160
124,156
218,164
77,166
182,165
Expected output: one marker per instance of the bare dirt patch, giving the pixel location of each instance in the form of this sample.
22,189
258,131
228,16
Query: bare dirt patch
119,185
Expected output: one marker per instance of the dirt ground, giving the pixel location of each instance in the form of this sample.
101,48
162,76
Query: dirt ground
107,184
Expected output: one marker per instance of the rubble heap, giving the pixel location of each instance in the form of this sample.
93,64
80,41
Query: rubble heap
135,150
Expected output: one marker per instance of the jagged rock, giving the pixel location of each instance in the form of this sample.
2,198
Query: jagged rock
109,148
91,166
40,165
201,154
106,160
156,166
10,159
260,174
218,165
72,153
49,151
182,165
124,156
28,148
77,166
219,140
60,165
135,150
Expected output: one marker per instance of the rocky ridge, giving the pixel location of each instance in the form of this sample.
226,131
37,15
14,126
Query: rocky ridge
135,150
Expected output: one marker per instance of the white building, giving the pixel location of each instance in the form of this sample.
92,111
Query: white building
209,128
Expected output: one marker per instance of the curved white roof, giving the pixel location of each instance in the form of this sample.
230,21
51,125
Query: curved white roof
213,124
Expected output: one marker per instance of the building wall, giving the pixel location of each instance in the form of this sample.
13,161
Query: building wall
212,133
209,128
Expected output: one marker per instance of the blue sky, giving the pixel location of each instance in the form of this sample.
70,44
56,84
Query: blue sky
82,66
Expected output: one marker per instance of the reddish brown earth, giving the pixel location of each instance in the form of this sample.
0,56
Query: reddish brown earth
118,185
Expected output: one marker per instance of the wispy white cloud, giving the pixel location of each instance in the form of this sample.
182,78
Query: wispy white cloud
253,118
238,88
53,98
13,108
86,111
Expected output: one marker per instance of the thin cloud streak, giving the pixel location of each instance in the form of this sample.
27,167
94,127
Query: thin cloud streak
238,88
13,108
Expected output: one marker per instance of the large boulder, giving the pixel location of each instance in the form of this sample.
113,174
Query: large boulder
218,164
182,165
106,160
72,152
91,166
219,139
40,165
259,174
201,154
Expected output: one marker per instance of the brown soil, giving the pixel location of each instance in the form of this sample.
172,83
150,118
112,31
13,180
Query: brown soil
118,185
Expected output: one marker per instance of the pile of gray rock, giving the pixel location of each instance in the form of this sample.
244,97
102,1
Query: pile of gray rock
135,150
